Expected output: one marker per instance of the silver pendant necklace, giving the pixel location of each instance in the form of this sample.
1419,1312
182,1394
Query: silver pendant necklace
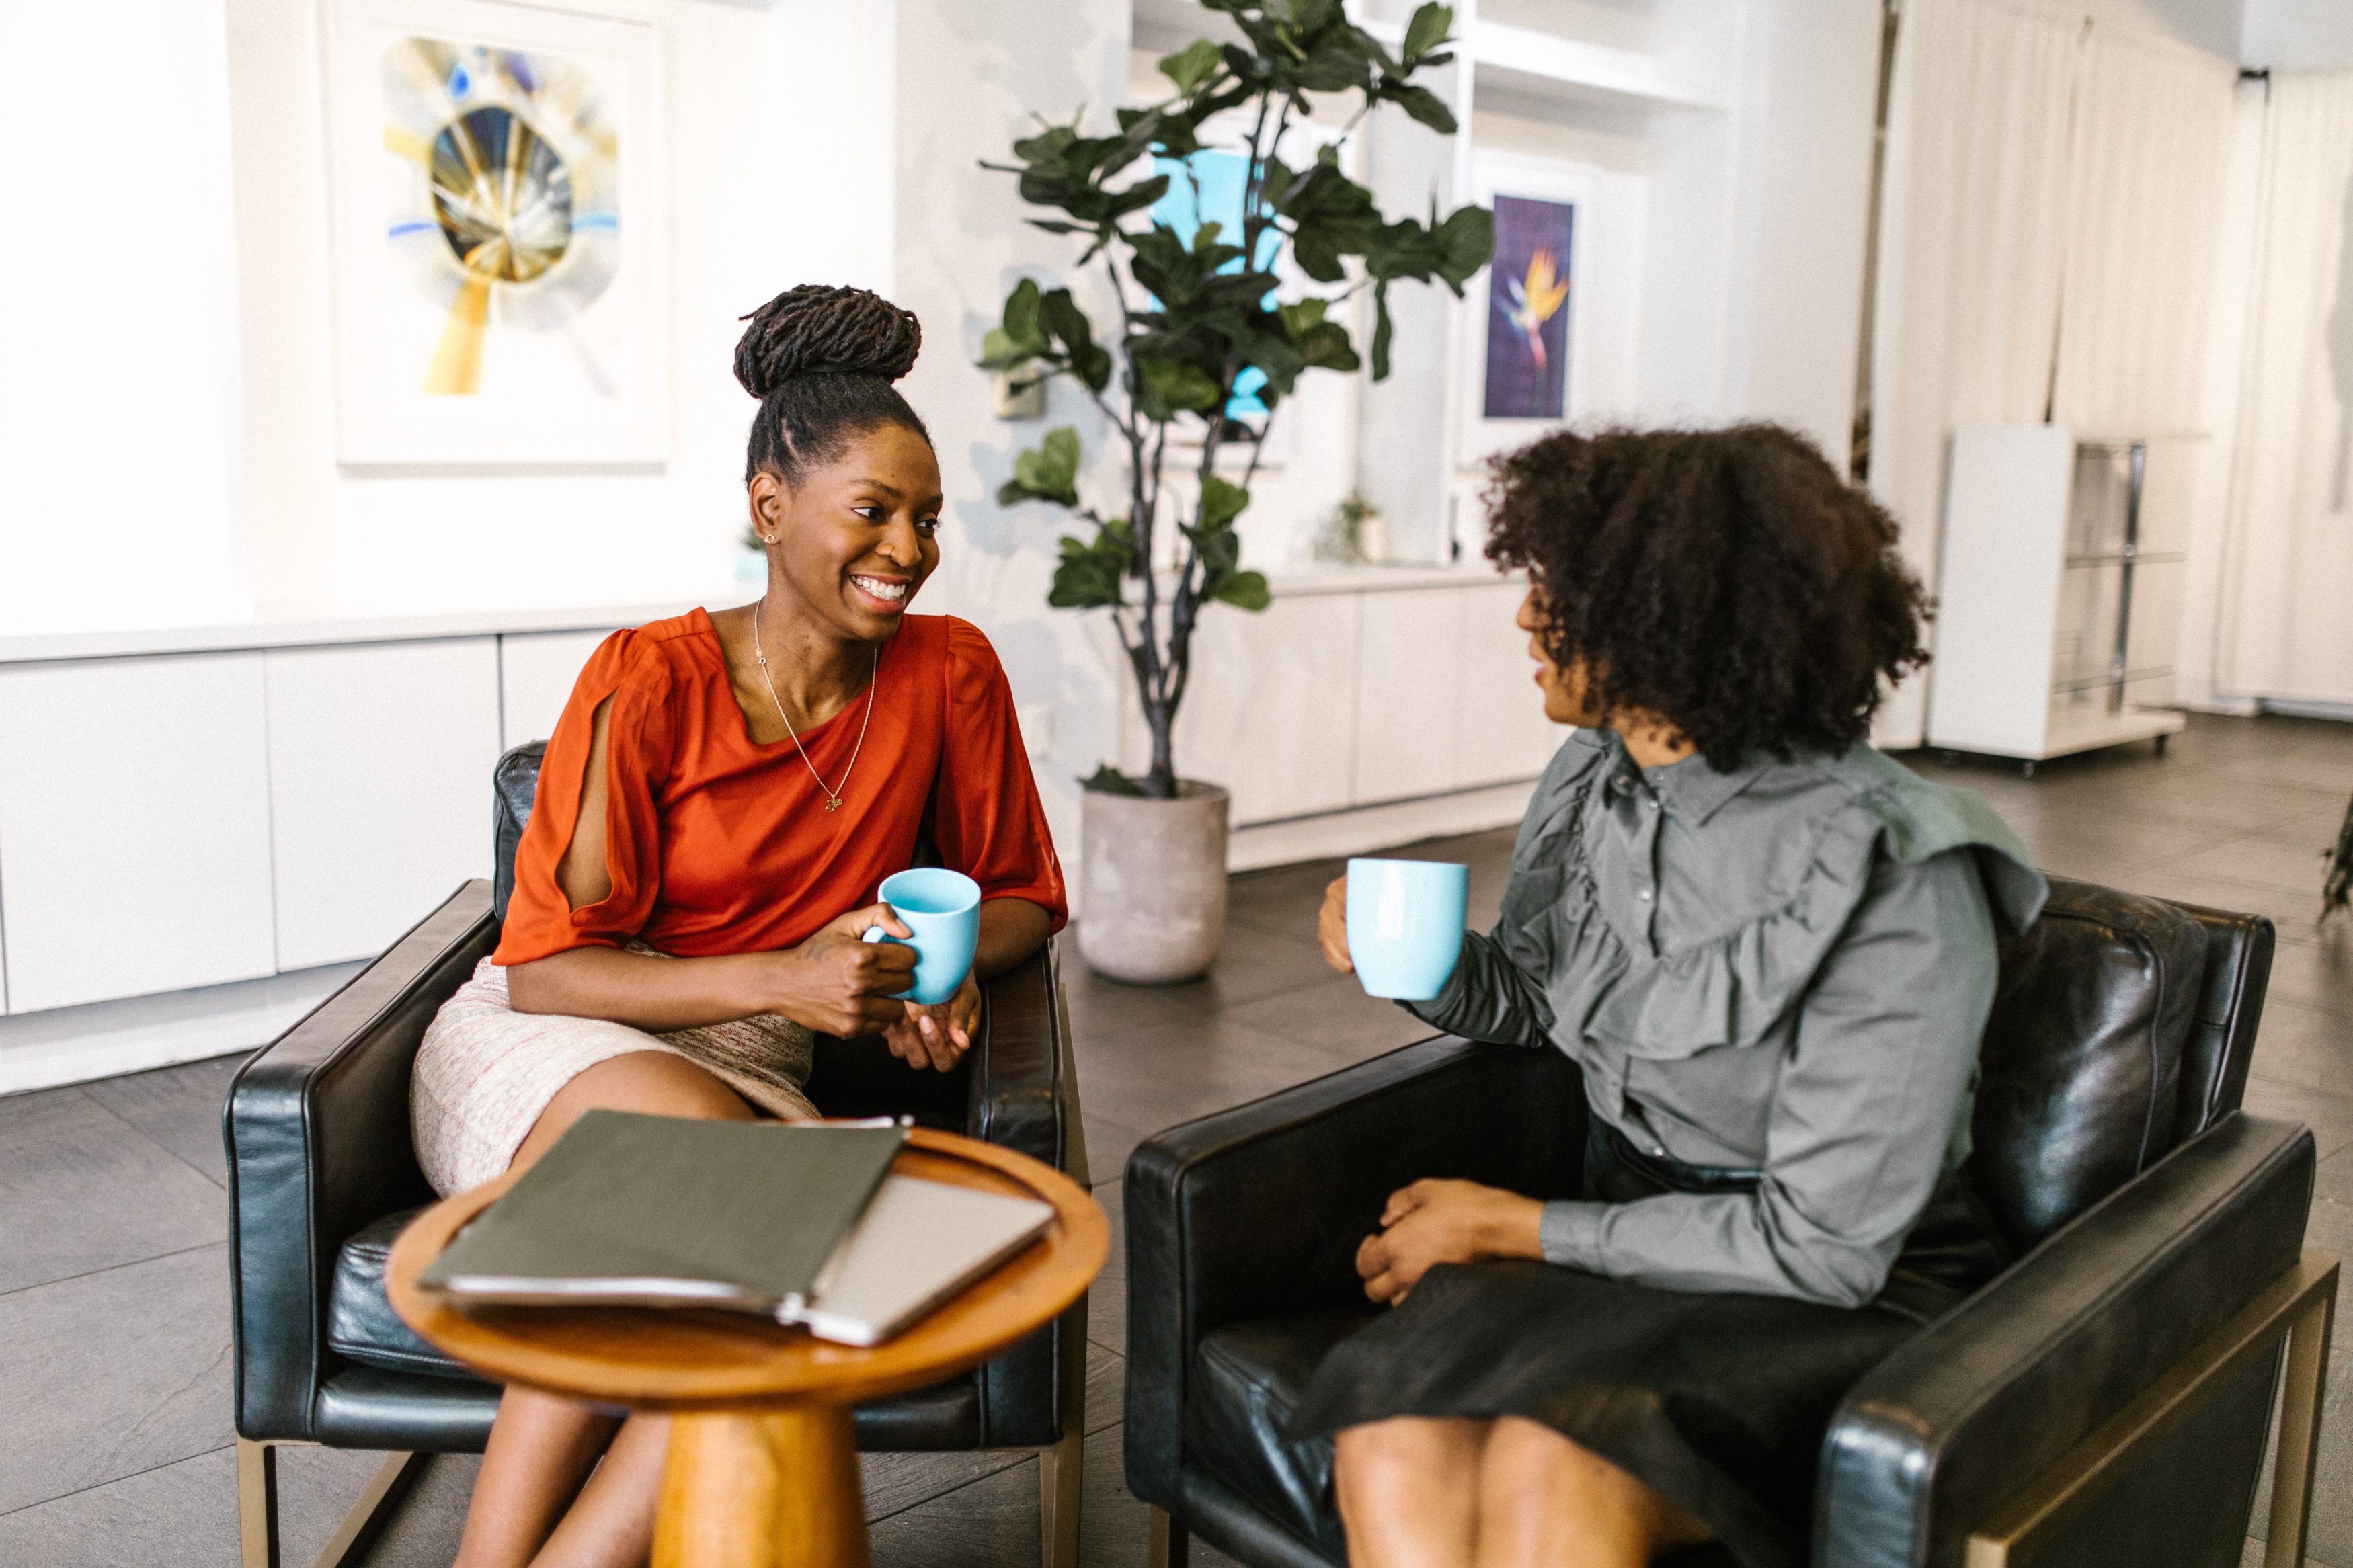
832,796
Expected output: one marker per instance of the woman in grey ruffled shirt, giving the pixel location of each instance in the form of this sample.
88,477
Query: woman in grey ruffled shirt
1771,952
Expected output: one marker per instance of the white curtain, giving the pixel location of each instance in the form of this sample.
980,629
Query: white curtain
2288,613
2149,155
1972,224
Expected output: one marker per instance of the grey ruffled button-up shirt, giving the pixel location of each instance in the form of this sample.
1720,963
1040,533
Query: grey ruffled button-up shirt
1785,968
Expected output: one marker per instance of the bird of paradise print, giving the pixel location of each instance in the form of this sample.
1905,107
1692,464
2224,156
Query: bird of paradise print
1535,299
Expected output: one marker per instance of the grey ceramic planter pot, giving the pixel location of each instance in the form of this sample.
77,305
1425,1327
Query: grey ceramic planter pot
1152,885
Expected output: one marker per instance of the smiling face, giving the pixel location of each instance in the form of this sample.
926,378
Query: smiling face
854,540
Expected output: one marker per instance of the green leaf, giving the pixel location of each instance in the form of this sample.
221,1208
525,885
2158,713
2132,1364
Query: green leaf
1108,779
1381,331
1466,241
1047,471
1060,315
1088,575
1424,105
1244,590
1314,248
1170,388
1428,29
1221,501
1188,68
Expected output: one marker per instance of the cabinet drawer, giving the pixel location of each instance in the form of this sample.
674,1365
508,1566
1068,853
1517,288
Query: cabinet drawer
1409,694
380,761
536,672
134,828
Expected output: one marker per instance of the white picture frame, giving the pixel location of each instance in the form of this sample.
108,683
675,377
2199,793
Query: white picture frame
438,362
1499,173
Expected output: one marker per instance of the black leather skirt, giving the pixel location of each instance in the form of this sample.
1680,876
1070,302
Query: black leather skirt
1717,1400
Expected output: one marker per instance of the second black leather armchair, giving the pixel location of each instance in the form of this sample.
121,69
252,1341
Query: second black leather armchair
2104,1401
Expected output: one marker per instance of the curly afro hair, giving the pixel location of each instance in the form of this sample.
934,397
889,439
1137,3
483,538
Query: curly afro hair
1728,581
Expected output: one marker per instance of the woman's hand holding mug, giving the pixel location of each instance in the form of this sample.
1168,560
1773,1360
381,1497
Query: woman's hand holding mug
1332,926
839,984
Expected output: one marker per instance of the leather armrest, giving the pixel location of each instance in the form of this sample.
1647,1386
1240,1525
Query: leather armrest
1936,1439
316,1127
1017,1098
1259,1209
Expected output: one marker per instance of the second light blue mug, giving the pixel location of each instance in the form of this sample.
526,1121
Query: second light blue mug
1405,925
943,909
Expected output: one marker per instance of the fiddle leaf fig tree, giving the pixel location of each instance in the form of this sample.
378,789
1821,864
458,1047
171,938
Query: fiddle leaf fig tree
1201,347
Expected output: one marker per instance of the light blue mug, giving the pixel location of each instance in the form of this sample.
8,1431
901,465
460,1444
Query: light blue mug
1405,925
943,909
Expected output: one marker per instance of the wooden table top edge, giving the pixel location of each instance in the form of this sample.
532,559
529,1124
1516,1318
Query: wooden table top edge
1076,1244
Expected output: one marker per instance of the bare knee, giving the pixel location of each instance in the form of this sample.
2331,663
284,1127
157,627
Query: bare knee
654,1083
1381,1458
1536,1486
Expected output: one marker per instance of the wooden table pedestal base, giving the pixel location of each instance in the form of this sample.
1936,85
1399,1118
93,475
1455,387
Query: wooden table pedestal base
775,1488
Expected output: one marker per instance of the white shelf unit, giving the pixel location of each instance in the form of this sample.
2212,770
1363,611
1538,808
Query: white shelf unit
2060,597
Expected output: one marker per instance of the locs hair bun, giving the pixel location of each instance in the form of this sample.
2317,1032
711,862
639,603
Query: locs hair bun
816,328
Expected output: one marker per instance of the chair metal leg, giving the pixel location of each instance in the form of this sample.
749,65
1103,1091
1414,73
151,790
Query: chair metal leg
2297,1307
256,1506
2298,1449
1062,1472
369,1514
1165,1544
1061,1469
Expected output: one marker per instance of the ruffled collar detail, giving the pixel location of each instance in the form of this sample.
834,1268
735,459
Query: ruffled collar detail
1732,988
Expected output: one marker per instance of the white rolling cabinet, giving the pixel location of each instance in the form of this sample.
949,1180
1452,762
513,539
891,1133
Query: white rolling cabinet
2059,604
536,670
1268,712
380,760
1410,693
1503,733
134,828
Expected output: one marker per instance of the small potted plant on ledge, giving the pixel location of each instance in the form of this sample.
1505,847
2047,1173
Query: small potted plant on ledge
1202,348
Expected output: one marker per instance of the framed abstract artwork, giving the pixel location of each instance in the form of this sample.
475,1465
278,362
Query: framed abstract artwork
1523,354
1524,372
497,235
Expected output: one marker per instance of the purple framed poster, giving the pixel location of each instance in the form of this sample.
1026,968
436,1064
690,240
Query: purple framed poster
1528,310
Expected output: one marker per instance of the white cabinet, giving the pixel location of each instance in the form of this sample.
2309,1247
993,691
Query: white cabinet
536,670
134,828
1268,705
1408,694
380,760
1502,733
2059,612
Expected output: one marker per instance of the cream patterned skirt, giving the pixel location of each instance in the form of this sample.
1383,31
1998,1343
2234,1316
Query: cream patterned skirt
484,1072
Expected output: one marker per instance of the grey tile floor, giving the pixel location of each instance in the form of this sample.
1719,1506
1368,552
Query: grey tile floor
114,1428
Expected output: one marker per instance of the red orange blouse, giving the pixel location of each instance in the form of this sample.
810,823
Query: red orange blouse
719,845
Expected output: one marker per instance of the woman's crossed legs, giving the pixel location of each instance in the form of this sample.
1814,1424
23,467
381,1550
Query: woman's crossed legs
531,1505
1511,1493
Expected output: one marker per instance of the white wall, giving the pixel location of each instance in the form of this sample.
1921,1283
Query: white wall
119,398
777,141
1801,215
968,78
2297,35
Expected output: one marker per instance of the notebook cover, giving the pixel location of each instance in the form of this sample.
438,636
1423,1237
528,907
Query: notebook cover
626,1206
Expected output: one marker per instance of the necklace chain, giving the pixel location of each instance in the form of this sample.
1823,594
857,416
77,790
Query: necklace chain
832,796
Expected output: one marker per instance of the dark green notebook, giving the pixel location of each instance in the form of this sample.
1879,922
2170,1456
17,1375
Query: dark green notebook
668,1211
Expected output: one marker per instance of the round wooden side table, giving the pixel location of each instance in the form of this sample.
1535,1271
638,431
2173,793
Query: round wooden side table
762,1467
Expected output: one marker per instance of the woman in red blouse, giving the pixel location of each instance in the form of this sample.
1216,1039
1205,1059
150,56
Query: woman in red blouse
719,802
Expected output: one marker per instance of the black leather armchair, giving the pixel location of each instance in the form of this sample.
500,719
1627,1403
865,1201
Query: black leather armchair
2105,1400
322,1175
